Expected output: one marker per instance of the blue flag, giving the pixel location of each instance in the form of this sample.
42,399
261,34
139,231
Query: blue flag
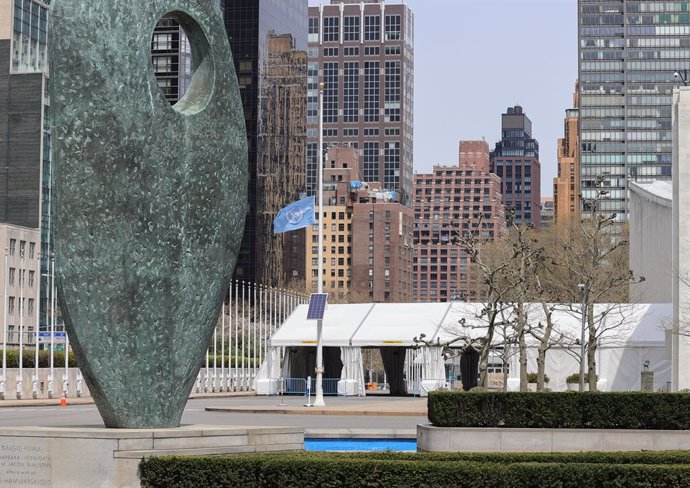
295,216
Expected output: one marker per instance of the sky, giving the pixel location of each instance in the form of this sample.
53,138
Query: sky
475,58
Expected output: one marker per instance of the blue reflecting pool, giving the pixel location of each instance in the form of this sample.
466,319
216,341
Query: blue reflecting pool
409,445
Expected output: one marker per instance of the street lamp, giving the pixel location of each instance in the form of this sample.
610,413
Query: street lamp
683,76
583,288
319,401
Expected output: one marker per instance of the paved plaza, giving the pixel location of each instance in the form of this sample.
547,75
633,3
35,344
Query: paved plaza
340,413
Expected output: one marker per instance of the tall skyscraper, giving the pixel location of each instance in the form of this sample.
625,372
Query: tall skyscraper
453,199
566,186
25,165
269,42
515,159
628,53
363,51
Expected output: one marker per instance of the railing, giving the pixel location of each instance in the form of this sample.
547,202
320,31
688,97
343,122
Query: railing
251,314
295,386
330,386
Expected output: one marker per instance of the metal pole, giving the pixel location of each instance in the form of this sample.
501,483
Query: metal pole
215,359
253,349
222,348
262,335
244,307
20,380
51,378
237,321
583,287
318,401
37,306
65,377
206,384
4,331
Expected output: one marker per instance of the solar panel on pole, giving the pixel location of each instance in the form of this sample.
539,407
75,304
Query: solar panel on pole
317,306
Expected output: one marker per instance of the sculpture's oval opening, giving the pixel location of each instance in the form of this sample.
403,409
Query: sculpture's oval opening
182,62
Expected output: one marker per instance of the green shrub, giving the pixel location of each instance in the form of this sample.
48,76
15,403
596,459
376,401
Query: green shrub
575,410
575,378
29,359
312,470
532,378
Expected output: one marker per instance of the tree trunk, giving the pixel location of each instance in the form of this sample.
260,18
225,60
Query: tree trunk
543,347
591,349
520,322
505,368
483,365
486,347
523,362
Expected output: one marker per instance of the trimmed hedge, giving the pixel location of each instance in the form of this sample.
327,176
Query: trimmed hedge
29,359
571,410
317,470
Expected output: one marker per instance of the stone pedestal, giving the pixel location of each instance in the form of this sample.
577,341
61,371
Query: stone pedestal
498,439
74,457
647,381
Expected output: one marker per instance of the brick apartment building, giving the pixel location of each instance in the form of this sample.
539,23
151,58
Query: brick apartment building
367,236
363,51
452,198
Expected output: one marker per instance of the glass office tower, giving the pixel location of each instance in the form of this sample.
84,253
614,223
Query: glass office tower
269,47
628,53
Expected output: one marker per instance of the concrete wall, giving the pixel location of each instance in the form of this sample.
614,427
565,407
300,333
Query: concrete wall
76,387
651,228
109,458
487,439
681,238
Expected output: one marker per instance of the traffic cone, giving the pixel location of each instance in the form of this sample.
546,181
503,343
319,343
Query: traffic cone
63,399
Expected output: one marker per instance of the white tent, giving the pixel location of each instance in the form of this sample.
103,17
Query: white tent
630,334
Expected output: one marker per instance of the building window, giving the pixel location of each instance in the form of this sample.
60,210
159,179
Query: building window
372,101
372,28
31,278
331,29
351,92
10,305
13,245
31,306
351,28
313,29
32,249
392,28
162,42
330,95
392,92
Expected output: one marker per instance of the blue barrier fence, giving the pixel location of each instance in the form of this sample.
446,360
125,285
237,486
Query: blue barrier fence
298,386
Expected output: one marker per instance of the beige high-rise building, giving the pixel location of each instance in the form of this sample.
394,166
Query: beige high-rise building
566,186
19,283
367,237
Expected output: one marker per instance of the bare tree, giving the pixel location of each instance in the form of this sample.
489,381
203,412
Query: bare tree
505,265
591,253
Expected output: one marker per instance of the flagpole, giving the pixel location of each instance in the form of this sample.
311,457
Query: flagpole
319,402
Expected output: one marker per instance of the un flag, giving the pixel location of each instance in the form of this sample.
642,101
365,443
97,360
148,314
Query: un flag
295,216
